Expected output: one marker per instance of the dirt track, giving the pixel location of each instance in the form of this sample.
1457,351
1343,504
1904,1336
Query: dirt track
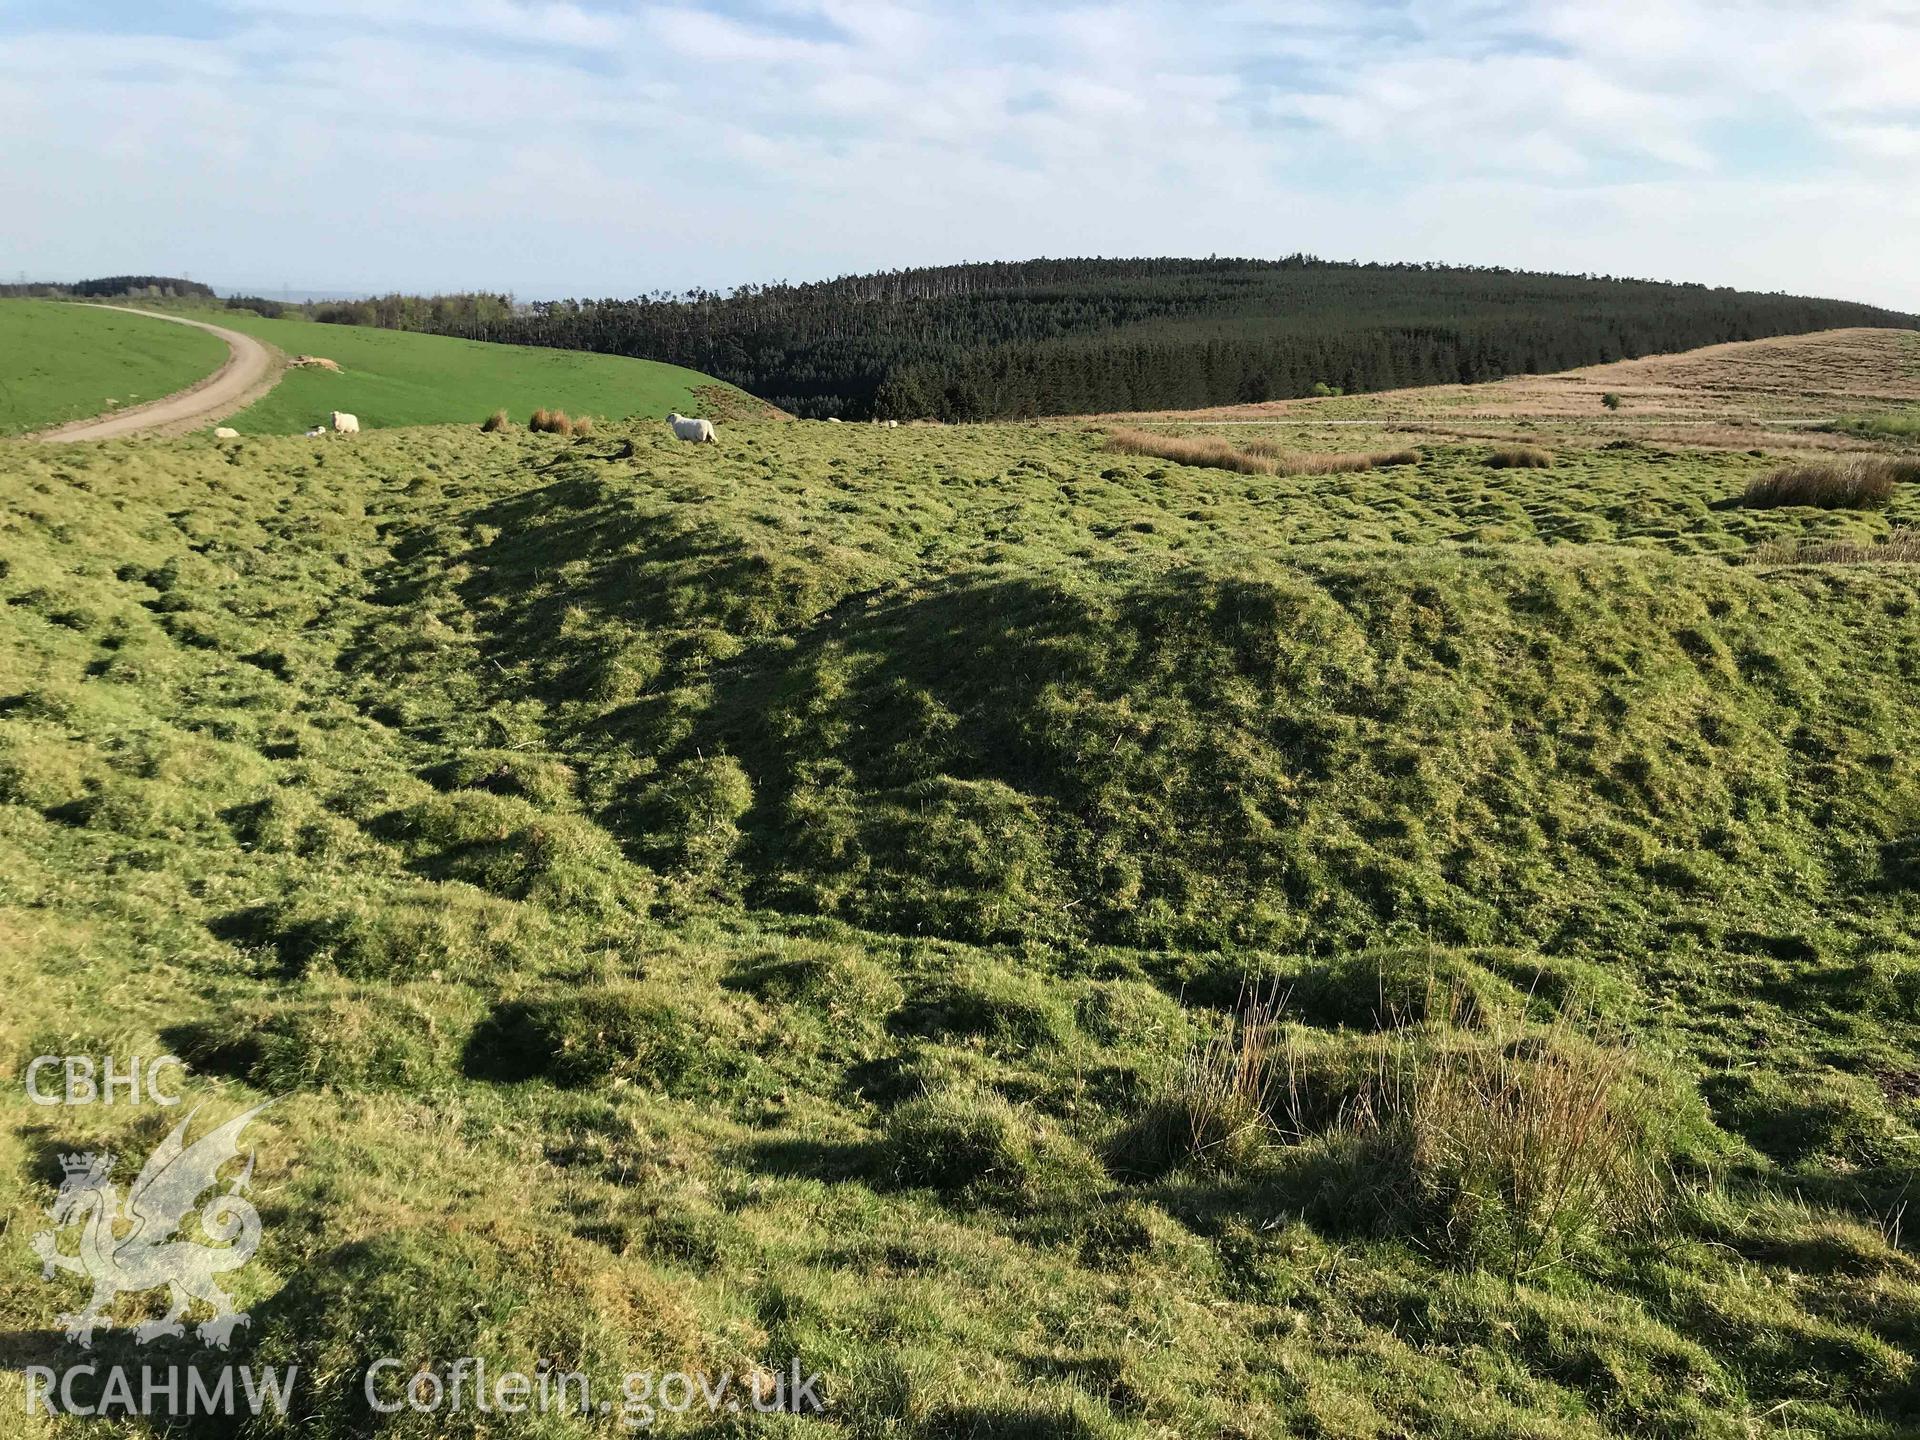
252,368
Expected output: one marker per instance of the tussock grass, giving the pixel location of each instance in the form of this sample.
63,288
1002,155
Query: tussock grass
640,1032
343,1038
969,1142
1219,1109
496,422
1510,1149
1853,483
550,422
1487,1140
1519,457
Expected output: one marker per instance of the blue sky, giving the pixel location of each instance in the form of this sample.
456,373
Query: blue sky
605,149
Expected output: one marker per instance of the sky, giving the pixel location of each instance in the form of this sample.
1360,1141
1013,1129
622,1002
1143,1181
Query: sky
600,149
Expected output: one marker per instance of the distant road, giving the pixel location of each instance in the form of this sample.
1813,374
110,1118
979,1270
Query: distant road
251,370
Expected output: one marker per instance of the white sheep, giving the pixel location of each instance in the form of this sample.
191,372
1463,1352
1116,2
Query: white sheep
699,431
345,424
225,432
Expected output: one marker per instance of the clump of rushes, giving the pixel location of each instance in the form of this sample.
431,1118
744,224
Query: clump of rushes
1519,457
1218,1110
1503,1145
1521,1151
1856,483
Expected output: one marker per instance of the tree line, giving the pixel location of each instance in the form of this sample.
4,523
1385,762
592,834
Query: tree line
1048,337
109,286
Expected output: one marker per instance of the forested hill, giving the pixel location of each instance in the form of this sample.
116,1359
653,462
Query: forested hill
1051,337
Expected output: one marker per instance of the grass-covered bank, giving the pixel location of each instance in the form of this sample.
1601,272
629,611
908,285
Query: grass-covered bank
802,897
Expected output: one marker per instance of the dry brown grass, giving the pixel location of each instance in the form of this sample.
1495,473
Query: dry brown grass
496,422
1824,376
1251,457
1901,547
1856,483
1313,462
1204,450
1519,457
551,422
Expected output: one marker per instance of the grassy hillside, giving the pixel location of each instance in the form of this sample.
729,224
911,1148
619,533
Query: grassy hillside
61,362
822,897
389,378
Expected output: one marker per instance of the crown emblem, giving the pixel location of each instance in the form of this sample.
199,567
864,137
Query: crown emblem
85,1162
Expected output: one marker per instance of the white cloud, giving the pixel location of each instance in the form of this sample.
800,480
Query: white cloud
612,147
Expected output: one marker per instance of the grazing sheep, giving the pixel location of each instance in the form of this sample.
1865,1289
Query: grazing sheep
226,432
699,431
833,419
893,424
345,424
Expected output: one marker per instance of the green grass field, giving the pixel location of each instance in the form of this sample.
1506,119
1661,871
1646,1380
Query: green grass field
1904,426
800,899
61,362
391,377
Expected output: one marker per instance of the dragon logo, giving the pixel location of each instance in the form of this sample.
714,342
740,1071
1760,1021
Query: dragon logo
139,1247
